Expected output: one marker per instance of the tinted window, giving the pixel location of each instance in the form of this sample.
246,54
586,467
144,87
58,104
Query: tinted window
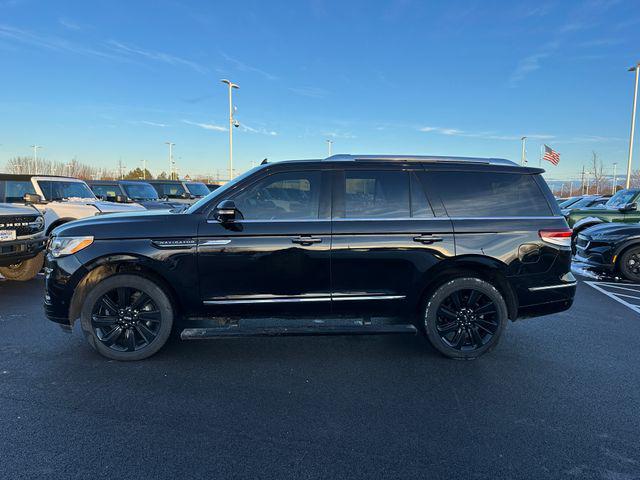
420,207
282,196
59,190
106,191
198,189
140,191
171,190
489,194
376,194
15,190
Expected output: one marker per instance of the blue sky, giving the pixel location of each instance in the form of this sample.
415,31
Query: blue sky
109,80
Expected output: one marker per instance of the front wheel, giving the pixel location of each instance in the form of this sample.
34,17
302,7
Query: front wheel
127,317
629,264
465,318
25,270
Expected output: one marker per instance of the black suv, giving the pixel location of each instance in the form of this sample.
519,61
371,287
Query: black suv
21,241
452,247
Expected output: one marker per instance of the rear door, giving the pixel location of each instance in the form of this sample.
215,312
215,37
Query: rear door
385,238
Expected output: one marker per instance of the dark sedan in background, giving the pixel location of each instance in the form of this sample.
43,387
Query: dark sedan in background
130,191
611,248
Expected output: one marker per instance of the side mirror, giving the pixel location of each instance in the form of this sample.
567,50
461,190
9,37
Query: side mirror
226,211
629,207
186,195
121,199
32,198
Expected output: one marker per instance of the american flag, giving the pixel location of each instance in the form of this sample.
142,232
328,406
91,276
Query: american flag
550,155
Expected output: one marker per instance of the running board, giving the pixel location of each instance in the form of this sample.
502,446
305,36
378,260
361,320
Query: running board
294,331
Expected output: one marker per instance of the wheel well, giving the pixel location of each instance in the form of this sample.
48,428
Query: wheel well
492,275
103,271
57,223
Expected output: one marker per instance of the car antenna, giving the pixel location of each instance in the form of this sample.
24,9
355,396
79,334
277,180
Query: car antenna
264,161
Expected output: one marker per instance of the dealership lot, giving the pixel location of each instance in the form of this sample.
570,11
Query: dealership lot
557,398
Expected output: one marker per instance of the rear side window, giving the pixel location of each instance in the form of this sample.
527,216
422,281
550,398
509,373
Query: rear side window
489,194
376,194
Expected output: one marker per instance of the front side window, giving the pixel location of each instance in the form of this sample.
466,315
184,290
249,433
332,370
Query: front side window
61,190
282,196
489,194
376,194
16,190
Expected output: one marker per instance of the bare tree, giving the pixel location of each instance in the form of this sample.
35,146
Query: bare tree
597,170
41,166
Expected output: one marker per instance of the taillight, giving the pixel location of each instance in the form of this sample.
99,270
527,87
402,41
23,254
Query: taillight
560,237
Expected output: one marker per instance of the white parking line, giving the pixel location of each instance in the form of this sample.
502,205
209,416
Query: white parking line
604,287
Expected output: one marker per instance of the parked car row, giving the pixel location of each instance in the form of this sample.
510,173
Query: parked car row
606,232
51,201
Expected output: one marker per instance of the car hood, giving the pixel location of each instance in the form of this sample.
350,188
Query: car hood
156,204
11,209
108,207
613,229
144,224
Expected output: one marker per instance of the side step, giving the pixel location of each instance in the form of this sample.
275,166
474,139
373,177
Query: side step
294,331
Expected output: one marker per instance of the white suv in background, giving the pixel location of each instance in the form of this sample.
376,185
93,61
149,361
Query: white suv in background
61,199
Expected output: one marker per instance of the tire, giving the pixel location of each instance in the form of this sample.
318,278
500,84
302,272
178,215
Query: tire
127,317
23,271
629,264
465,317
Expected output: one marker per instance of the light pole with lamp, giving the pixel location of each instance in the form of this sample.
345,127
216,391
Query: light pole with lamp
232,123
635,68
171,145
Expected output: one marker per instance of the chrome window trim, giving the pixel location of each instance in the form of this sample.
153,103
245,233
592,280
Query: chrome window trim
325,298
551,287
396,219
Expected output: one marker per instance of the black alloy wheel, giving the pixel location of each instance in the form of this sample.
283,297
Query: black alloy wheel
465,317
467,320
630,264
125,319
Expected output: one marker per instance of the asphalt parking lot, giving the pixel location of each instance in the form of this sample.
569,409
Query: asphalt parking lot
558,398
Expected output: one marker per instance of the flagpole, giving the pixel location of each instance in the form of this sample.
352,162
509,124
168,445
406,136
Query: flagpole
540,157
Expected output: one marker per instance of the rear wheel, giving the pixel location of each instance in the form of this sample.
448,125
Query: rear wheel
629,264
465,318
127,317
25,270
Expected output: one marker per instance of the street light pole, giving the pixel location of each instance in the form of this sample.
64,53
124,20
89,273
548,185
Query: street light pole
35,158
231,86
170,159
330,145
615,179
523,156
635,68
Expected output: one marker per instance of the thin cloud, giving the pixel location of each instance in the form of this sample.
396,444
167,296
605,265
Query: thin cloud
344,135
206,126
262,131
155,55
148,123
69,24
243,67
526,66
483,135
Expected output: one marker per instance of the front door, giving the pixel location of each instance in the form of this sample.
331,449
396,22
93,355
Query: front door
276,255
385,240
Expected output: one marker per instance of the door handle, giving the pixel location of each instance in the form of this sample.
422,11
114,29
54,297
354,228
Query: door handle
427,239
302,240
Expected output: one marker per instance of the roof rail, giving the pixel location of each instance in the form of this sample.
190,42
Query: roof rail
421,158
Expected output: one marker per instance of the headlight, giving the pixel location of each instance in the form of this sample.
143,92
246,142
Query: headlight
61,246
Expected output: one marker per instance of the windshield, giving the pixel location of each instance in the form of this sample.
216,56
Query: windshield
621,198
583,202
61,190
221,190
140,191
568,202
198,189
